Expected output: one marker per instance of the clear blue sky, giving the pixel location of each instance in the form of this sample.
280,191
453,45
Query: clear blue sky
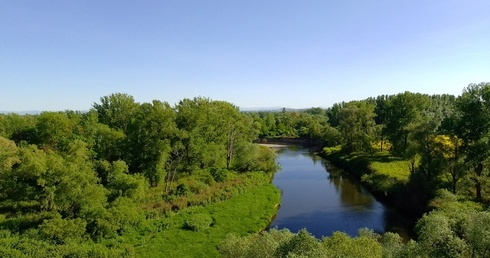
57,55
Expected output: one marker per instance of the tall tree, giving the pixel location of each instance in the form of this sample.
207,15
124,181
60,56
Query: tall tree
474,130
405,111
116,110
356,125
149,140
54,130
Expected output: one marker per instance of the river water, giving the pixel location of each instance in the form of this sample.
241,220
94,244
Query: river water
323,199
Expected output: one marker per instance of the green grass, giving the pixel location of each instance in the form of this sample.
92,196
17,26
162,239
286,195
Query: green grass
247,213
385,164
381,171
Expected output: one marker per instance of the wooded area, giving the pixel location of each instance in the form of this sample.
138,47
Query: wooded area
102,183
81,179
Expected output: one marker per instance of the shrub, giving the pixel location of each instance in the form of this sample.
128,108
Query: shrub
198,222
182,190
209,180
63,230
219,174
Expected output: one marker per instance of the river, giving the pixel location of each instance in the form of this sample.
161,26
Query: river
323,199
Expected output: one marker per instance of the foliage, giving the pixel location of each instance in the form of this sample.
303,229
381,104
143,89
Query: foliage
283,243
80,184
198,222
455,229
473,128
356,126
219,175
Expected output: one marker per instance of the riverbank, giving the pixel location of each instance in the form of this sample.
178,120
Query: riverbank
275,146
386,177
312,144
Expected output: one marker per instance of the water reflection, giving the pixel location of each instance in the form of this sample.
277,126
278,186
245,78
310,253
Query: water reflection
321,199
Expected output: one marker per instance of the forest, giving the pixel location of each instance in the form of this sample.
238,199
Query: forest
146,179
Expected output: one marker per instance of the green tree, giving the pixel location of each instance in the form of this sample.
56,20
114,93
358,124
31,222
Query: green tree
474,130
116,110
149,139
54,130
109,143
356,126
405,111
211,132
17,128
78,192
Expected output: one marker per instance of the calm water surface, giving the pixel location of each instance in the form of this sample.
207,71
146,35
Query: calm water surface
318,197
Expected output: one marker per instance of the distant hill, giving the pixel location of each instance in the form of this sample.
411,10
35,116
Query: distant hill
31,112
271,109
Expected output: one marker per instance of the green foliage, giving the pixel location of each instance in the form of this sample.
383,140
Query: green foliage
457,228
198,222
282,243
123,184
404,110
219,175
22,223
437,238
125,213
54,130
63,231
256,245
356,126
116,110
253,157
381,171
473,128
300,244
182,190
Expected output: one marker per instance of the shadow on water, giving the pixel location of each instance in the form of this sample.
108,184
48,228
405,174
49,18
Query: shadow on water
323,199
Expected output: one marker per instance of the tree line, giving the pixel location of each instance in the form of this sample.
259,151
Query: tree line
446,138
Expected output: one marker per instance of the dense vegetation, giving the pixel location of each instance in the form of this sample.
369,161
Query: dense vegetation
100,183
127,179
440,140
423,153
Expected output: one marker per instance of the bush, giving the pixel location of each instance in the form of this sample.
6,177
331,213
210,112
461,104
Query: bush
63,230
198,222
219,174
209,180
182,190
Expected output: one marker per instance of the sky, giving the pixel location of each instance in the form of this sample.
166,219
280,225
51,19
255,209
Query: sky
60,55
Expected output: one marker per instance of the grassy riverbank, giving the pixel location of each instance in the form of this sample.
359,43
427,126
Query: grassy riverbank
380,170
247,213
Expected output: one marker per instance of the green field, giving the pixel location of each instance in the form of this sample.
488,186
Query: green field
246,213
